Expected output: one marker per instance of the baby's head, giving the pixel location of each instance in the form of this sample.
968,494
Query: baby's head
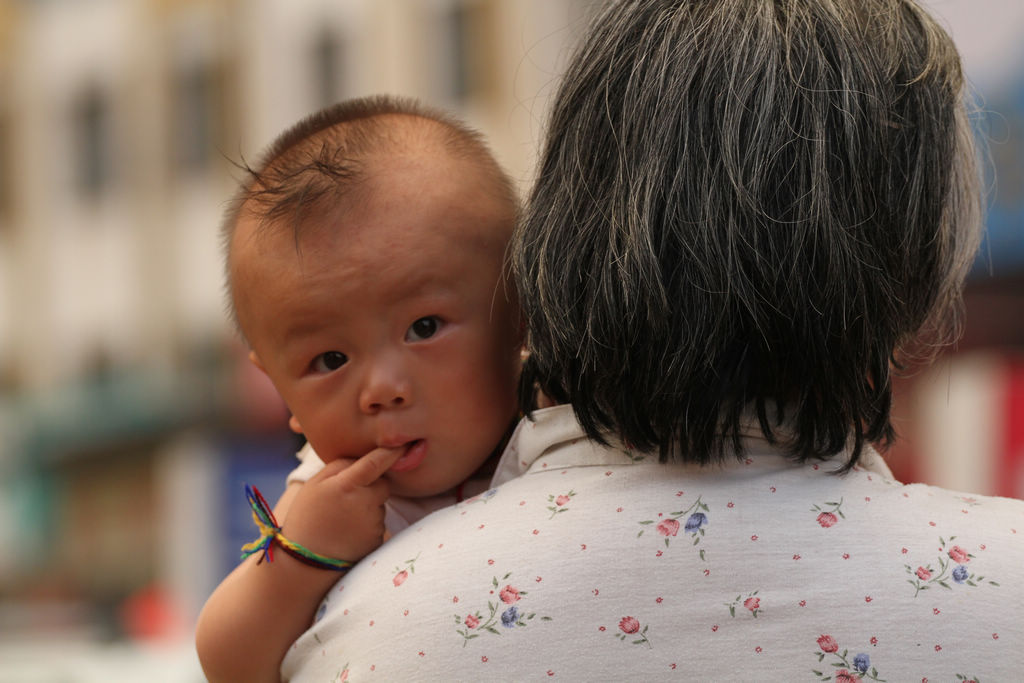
365,261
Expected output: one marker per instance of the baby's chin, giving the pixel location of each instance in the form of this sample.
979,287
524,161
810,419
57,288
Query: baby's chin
421,484
419,489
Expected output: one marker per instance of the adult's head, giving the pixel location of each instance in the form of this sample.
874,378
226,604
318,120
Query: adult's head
748,206
366,268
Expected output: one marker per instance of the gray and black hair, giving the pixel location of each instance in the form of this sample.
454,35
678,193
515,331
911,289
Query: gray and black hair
748,207
313,165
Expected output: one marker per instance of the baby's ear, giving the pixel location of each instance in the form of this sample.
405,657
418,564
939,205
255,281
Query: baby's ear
293,424
255,360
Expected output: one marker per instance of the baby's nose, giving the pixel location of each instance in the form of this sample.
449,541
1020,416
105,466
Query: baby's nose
386,388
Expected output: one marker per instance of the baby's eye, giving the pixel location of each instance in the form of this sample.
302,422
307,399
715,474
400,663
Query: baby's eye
329,361
424,328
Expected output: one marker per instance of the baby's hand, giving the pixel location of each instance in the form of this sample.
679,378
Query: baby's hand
339,512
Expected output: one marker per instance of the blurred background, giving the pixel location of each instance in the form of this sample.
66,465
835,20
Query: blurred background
129,416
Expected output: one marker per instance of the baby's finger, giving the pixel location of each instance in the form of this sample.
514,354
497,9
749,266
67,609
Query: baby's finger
332,468
369,468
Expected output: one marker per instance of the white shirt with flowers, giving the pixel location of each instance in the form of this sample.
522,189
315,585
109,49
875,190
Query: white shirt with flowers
588,563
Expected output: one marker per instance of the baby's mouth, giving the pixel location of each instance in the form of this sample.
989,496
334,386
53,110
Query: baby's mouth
415,452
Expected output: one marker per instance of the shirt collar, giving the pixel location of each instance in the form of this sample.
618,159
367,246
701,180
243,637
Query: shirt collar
538,443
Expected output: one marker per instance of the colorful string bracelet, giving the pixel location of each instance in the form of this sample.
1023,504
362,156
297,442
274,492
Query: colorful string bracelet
270,533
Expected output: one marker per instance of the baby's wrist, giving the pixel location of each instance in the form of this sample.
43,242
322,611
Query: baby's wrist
272,536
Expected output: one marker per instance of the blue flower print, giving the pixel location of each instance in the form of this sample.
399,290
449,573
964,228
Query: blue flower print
850,671
511,599
510,616
481,497
960,574
695,522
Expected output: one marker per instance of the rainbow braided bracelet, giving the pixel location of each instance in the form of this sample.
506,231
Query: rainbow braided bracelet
270,532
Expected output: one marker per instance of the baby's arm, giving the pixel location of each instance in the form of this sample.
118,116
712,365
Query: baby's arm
257,611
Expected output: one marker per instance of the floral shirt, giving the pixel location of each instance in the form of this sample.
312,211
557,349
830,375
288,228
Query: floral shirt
589,563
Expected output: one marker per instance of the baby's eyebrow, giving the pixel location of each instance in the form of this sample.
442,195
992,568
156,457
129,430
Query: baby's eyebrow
421,285
300,331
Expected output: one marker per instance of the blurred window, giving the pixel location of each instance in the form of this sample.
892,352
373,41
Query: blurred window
91,126
457,37
328,60
6,170
469,44
196,115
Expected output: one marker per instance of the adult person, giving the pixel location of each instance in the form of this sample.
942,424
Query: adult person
747,213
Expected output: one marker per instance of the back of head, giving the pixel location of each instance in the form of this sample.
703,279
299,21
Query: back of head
321,161
747,207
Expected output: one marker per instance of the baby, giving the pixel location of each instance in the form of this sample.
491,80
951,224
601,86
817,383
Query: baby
365,267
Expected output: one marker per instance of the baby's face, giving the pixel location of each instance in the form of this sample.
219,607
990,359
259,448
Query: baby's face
390,326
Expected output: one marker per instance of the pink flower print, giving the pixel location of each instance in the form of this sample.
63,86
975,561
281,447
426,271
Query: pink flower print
959,555
558,503
751,602
827,519
829,513
668,527
848,671
827,643
670,524
499,613
402,574
629,625
954,568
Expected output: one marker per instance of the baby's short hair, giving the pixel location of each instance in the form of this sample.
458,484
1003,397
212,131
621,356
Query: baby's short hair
313,165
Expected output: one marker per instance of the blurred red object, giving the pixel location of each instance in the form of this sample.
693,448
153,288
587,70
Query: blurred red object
150,614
